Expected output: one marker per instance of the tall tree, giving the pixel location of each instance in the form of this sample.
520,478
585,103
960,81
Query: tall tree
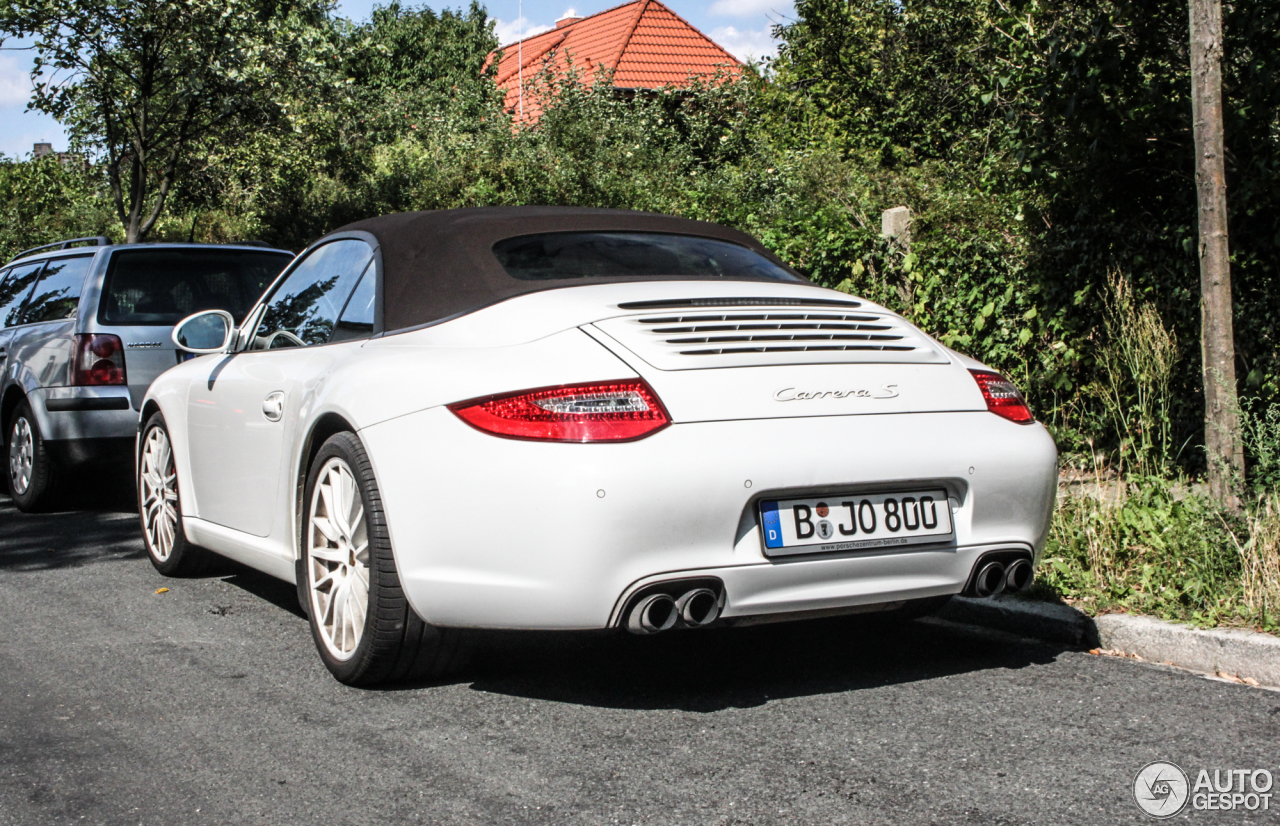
408,64
1221,408
143,83
408,48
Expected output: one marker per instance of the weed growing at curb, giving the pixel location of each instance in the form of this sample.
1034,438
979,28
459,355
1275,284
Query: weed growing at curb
1154,546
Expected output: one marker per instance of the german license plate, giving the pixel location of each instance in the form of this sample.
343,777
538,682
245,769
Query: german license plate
853,522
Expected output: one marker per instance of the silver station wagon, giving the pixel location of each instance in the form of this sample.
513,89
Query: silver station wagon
85,327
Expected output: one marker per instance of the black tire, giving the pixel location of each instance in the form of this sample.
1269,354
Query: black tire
30,472
394,644
182,559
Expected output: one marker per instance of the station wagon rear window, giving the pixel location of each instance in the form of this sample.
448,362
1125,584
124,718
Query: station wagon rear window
631,255
161,287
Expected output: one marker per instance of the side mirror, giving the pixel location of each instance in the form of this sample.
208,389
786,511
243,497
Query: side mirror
206,332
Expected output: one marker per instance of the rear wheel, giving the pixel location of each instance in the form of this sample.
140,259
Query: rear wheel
32,471
161,512
361,622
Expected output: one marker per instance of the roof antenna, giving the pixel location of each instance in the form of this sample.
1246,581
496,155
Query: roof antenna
520,52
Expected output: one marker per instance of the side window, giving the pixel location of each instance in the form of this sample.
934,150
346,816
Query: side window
57,294
304,309
357,318
5,298
13,293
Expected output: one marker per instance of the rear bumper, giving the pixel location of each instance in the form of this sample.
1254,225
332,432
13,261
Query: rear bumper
84,413
498,533
117,452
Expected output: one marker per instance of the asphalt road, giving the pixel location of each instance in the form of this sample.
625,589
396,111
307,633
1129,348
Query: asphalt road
208,704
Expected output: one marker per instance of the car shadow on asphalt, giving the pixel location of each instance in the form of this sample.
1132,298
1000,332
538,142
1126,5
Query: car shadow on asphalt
698,671
283,595
706,671
94,519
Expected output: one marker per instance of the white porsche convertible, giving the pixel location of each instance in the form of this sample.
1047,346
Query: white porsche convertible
553,418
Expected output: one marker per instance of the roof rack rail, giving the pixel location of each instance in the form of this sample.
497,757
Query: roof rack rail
98,241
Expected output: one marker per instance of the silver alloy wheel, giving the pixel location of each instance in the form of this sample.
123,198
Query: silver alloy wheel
158,483
22,455
338,559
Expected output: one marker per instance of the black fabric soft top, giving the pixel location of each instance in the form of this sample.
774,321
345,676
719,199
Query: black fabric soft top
440,264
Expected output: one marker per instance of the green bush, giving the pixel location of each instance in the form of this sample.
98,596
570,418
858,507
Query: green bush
1151,546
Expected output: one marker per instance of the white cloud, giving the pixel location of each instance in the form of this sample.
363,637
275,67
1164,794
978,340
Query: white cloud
569,12
19,131
746,44
751,8
15,82
509,31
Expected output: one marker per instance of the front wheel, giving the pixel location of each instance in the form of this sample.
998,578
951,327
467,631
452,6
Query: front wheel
361,622
167,545
32,472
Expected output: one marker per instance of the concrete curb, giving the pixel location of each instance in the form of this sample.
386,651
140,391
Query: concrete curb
1230,651
1244,654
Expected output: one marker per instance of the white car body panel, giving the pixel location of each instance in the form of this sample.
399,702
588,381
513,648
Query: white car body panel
504,533
537,546
231,438
260,553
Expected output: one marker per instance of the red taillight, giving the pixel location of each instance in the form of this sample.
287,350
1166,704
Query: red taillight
1003,399
99,360
615,411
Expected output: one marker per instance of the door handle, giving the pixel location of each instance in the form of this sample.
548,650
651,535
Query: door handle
273,406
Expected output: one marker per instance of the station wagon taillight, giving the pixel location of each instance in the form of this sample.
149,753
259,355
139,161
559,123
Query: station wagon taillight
615,411
99,360
1003,399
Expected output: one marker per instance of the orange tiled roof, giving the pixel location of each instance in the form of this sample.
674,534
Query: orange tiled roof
644,43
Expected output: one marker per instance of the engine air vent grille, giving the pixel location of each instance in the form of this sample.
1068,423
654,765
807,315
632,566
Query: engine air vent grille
776,332
785,335
737,302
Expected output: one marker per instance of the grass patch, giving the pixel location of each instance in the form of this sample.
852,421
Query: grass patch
1151,546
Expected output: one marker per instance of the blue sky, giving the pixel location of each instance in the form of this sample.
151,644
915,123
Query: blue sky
741,26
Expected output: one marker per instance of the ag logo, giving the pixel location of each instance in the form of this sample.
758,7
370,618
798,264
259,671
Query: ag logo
1161,789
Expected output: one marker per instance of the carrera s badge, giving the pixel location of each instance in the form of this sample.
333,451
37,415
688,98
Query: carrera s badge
791,394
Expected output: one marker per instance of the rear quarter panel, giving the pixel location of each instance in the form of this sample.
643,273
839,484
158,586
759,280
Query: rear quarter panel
42,354
399,375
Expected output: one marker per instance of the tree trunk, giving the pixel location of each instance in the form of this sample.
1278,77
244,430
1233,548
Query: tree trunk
1217,344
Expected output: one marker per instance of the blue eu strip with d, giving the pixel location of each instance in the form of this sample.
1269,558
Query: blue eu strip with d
772,527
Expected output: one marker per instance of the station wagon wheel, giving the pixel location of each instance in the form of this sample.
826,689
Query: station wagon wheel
361,621
160,508
32,473
21,455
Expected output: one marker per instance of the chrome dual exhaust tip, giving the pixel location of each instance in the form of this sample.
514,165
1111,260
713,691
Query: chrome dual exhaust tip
990,580
1001,572
1019,576
654,613
695,608
699,607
